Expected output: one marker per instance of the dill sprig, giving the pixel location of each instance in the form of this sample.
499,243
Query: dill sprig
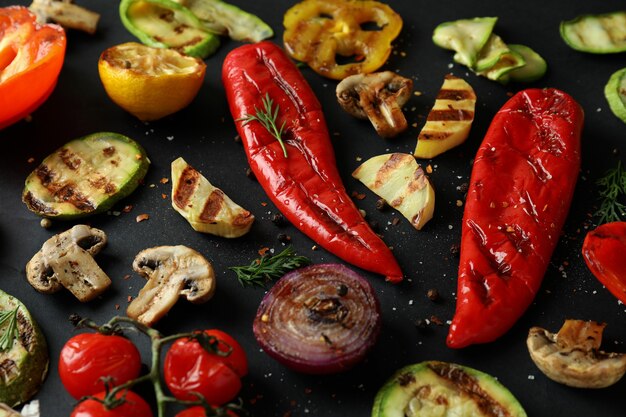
613,186
269,267
268,118
10,331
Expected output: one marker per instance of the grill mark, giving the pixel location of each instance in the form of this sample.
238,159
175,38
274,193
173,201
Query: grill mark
450,114
38,205
186,186
8,371
109,151
66,192
212,207
470,386
388,167
243,219
434,135
102,183
69,159
455,94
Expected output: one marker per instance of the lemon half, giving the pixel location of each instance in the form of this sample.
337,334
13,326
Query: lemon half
148,82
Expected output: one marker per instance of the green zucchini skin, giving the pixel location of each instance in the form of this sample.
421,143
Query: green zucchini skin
164,13
535,66
86,176
440,388
596,33
24,367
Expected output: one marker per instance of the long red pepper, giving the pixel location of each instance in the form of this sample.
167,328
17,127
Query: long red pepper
520,191
604,250
305,185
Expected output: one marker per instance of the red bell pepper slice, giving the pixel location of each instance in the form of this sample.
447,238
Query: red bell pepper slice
521,187
305,186
31,57
604,250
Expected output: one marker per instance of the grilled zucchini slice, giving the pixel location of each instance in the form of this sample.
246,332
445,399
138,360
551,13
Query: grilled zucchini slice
23,352
534,68
615,93
86,176
398,179
465,36
596,33
206,207
449,121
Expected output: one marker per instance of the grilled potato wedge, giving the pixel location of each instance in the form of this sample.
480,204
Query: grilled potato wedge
398,178
449,121
206,207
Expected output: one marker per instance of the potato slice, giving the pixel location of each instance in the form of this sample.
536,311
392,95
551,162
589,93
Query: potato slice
449,121
206,207
398,178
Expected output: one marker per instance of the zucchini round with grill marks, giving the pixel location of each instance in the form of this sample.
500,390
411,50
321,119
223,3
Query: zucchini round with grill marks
444,389
86,176
23,352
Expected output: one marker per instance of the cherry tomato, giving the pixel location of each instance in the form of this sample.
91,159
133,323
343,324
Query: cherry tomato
604,250
88,357
189,368
134,406
200,412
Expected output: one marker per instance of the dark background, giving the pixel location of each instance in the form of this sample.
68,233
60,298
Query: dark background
204,135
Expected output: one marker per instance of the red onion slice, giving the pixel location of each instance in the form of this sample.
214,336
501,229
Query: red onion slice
320,319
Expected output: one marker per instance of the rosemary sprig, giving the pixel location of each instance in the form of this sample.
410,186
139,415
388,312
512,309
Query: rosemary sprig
268,267
10,332
613,187
268,118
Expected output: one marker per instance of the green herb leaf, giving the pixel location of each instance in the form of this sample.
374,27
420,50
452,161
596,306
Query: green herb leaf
10,331
267,268
613,186
268,118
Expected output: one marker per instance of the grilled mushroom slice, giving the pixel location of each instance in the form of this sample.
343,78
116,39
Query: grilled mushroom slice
66,260
379,97
573,356
172,272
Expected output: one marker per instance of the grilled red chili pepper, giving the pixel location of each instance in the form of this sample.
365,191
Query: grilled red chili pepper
604,250
520,191
304,184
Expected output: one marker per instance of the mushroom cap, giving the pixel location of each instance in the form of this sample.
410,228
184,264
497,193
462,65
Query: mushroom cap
379,97
41,275
572,356
172,272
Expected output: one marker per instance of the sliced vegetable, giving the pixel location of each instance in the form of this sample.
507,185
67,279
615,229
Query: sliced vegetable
449,121
399,179
596,33
522,183
573,356
466,37
444,389
305,186
534,68
269,267
223,18
23,352
507,61
167,24
378,97
615,93
604,250
204,206
322,32
31,57
320,319
66,14
210,363
150,83
172,272
88,360
66,260
86,176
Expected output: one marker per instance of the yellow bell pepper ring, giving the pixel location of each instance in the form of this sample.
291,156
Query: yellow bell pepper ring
357,33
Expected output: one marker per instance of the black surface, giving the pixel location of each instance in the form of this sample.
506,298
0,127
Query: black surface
204,135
